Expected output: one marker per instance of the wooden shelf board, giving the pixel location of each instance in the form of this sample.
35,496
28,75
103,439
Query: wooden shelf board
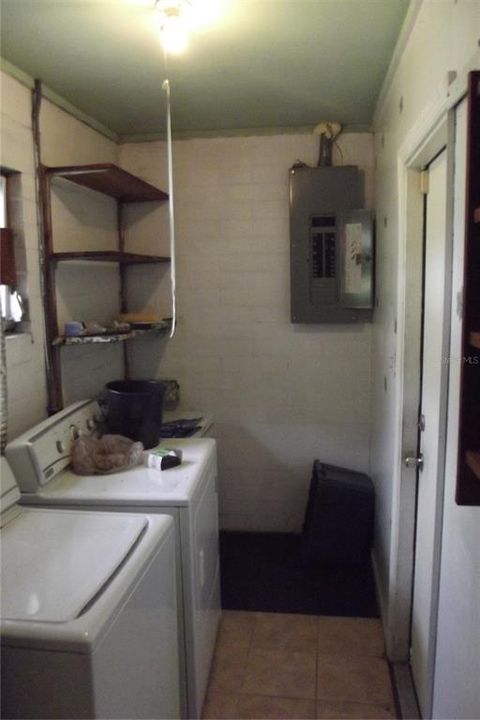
109,338
110,180
474,339
473,461
91,339
109,256
160,328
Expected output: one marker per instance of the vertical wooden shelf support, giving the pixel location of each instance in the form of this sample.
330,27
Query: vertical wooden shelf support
53,369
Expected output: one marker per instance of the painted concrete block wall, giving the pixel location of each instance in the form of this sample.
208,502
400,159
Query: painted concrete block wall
25,353
444,38
282,394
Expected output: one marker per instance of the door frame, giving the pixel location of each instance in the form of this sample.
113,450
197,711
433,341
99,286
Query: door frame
434,130
422,667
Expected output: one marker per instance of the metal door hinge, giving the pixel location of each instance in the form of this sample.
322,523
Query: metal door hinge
411,460
460,304
424,182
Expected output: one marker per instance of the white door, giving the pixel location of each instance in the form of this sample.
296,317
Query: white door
431,443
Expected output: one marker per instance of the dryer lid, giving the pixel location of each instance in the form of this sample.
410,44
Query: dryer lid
56,561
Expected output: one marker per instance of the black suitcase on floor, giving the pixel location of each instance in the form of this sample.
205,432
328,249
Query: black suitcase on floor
338,525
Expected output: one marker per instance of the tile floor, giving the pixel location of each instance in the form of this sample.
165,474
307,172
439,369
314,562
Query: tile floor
272,665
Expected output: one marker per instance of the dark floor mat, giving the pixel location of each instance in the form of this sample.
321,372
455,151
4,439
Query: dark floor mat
263,572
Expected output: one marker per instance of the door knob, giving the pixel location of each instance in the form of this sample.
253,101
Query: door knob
413,461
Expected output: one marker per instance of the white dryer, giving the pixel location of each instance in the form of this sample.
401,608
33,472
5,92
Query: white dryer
88,613
40,460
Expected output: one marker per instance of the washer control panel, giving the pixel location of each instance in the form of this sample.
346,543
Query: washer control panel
37,457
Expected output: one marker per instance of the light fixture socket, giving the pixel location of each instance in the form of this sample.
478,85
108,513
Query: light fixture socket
173,9
174,21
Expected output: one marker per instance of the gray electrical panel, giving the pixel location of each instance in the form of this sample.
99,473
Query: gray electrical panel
331,246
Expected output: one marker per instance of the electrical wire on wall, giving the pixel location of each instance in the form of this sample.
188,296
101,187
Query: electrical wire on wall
171,206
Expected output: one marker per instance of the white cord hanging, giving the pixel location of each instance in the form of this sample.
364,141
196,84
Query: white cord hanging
171,208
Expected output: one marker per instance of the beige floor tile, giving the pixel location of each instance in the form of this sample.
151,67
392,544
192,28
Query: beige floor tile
282,631
236,628
327,710
219,706
350,636
280,673
228,669
353,679
257,707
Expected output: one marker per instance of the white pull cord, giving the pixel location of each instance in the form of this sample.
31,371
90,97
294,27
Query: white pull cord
171,208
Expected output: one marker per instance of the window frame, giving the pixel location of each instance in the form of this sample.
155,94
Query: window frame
13,303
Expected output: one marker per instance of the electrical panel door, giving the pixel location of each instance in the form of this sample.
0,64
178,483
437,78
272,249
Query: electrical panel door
331,246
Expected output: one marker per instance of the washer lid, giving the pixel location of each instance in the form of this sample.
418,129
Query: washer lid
56,561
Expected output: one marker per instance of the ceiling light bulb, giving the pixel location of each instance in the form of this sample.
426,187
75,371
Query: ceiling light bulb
174,35
173,25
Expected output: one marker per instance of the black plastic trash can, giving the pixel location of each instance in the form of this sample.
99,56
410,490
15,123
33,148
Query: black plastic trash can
133,408
338,525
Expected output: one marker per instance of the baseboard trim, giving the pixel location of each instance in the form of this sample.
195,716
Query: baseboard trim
405,690
382,600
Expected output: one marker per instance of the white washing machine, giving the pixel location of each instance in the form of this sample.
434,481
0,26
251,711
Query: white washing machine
88,613
40,460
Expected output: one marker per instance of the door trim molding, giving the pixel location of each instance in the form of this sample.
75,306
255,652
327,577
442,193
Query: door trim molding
433,130
408,394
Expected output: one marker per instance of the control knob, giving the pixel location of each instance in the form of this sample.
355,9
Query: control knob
74,432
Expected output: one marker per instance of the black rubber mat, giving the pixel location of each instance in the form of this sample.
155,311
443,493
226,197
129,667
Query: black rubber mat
263,572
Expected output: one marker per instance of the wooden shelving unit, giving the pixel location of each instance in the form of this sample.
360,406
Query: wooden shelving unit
110,180
468,471
125,188
474,339
473,462
110,337
124,258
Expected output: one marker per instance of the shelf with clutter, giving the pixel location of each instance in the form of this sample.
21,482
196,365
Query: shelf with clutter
125,189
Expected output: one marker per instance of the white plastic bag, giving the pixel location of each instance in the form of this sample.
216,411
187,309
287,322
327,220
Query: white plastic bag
111,453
